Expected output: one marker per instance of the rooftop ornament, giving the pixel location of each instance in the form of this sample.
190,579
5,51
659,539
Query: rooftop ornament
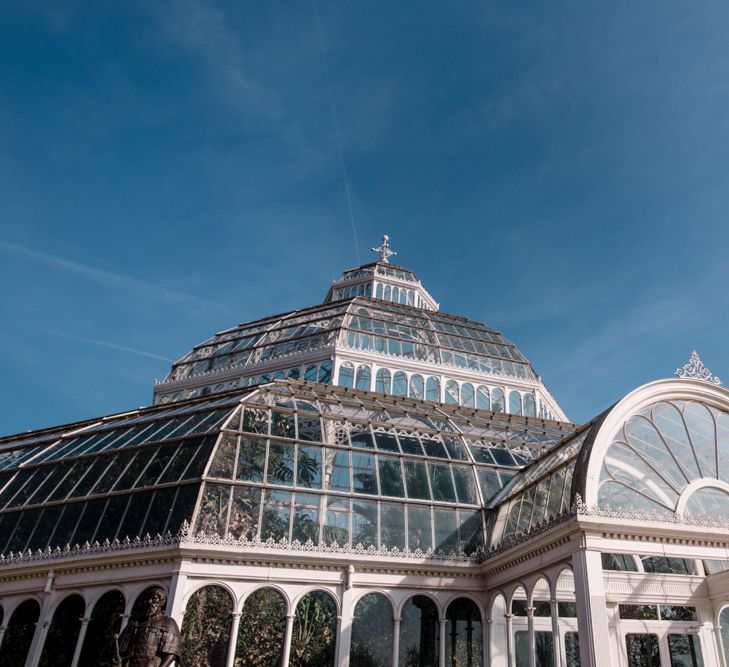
384,251
695,370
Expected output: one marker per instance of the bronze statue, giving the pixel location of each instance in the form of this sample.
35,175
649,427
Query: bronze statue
151,639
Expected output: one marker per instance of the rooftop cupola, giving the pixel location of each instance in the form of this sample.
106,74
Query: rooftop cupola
382,280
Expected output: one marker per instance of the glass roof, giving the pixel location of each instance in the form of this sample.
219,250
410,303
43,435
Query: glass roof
288,460
360,323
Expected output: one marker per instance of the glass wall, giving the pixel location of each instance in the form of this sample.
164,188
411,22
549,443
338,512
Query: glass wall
262,628
463,634
19,634
206,628
372,632
105,622
62,634
419,633
314,636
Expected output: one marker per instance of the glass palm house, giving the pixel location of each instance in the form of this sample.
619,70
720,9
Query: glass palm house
370,482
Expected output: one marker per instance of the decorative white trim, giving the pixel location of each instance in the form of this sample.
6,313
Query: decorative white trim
695,370
702,483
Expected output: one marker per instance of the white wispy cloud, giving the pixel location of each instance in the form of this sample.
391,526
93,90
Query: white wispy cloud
200,28
99,276
111,346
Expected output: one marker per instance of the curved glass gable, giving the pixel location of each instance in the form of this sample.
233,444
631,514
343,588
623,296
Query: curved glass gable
663,449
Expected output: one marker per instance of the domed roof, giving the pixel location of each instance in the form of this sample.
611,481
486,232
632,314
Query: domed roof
359,323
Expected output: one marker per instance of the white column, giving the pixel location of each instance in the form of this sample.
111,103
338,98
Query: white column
532,642
344,624
80,641
555,633
592,618
395,641
287,640
41,630
233,640
441,642
486,642
509,641
719,645
176,595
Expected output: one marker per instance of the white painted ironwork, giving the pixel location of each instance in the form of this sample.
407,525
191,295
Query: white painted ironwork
695,370
384,251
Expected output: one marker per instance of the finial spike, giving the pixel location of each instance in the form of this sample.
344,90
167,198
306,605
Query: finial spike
384,251
695,370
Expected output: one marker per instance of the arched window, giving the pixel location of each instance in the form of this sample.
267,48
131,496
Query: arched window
432,390
294,374
497,400
724,621
278,375
206,628
482,398
411,298
463,634
313,640
378,291
388,294
403,296
530,408
372,632
310,373
400,384
467,395
416,387
60,643
515,403
382,381
261,632
325,373
395,294
419,636
452,395
368,289
363,378
346,375
104,624
19,634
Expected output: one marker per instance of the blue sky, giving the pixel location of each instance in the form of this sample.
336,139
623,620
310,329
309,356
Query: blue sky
558,170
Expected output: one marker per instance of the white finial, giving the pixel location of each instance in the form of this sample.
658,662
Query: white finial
695,370
384,251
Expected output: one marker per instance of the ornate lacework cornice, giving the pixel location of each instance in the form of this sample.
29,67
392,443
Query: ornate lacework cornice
185,537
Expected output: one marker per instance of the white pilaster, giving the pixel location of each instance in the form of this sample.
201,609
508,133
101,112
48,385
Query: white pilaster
395,641
287,639
532,642
557,640
509,640
592,618
233,641
80,641
441,641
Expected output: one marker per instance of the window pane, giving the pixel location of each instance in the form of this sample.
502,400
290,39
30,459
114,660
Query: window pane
572,649
364,476
276,515
419,529
308,467
685,651
393,525
638,612
364,522
416,480
306,518
391,477
336,525
642,650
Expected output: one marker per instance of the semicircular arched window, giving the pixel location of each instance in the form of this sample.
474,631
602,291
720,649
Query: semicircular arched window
662,449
